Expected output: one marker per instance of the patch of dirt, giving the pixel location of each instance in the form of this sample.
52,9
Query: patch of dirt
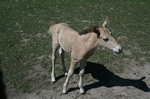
134,83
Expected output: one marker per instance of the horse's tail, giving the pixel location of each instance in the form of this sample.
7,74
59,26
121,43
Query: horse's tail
50,30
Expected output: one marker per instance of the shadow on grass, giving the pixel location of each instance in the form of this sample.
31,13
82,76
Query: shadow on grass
59,77
108,79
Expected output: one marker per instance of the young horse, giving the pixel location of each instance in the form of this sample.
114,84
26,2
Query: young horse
80,45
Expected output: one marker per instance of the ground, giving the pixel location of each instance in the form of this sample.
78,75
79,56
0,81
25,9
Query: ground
25,49
134,83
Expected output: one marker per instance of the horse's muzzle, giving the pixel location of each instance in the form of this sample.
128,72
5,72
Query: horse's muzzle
119,51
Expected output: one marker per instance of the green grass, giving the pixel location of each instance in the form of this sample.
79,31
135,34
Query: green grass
24,23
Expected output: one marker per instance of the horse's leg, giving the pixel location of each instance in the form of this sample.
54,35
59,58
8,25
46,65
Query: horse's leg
81,73
54,48
70,73
61,53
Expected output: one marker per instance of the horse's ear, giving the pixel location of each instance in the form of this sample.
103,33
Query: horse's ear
105,22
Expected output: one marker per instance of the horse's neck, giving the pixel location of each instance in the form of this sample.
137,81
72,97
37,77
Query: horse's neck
89,40
83,46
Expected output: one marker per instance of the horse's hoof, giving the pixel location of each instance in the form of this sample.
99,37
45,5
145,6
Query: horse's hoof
66,74
53,80
64,91
81,91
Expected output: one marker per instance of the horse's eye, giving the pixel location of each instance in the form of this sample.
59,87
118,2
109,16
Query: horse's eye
106,39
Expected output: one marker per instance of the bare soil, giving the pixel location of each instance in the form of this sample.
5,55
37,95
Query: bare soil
133,83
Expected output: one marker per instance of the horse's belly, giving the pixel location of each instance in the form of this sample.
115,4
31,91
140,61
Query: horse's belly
66,48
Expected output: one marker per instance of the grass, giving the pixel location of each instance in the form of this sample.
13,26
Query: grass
24,23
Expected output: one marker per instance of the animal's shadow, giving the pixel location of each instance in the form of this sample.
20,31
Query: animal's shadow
109,79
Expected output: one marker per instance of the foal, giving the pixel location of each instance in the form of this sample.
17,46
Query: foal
80,45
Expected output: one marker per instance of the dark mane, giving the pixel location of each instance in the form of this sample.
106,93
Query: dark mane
93,29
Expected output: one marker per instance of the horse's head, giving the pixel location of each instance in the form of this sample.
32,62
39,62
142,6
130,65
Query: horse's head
106,39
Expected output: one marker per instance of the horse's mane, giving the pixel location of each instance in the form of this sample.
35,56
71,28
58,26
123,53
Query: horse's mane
89,30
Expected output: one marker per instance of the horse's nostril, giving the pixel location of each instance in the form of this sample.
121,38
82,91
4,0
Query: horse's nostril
120,50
